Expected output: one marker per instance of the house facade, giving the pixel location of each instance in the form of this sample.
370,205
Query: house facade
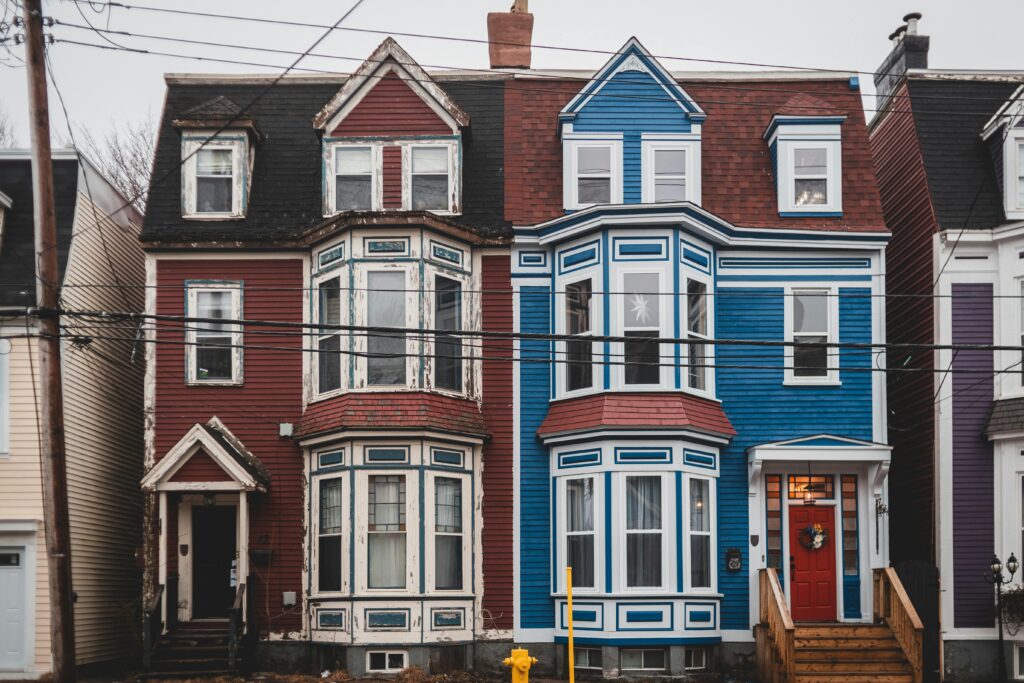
709,251
102,420
951,191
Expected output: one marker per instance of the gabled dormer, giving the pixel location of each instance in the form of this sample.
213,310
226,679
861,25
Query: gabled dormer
218,146
392,139
631,136
1004,135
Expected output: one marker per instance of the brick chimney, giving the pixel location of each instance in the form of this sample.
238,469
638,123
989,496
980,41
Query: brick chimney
509,35
909,51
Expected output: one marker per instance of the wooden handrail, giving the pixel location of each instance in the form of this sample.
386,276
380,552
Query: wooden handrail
235,626
778,656
893,606
152,625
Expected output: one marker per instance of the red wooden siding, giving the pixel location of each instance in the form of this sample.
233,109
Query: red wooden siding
393,177
271,394
908,211
391,108
497,474
201,467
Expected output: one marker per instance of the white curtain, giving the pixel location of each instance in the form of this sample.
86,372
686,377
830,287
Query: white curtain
643,515
386,548
448,541
579,514
387,560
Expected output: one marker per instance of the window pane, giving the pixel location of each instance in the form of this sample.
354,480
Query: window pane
698,362
386,560
385,363
700,501
579,495
352,161
448,562
631,659
579,372
430,160
810,312
329,359
810,361
577,307
641,358
430,192
213,363
215,162
213,195
330,506
700,561
386,498
448,348
353,193
378,661
579,369
640,300
670,189
654,659
643,503
810,161
396,660
594,160
670,161
330,563
810,192
580,556
697,307
448,504
643,560
594,190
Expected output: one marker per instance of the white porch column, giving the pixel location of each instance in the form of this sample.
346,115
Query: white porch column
162,555
243,546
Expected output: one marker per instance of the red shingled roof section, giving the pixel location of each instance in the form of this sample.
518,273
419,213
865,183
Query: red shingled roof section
637,411
393,411
805,105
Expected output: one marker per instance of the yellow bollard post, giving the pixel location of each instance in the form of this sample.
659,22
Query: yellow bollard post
568,592
520,661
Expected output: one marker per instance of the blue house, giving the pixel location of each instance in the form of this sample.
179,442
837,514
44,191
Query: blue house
712,409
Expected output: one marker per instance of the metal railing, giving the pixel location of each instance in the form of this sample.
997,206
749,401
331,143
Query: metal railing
152,626
236,627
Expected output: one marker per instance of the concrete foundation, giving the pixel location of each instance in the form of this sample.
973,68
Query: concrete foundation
976,661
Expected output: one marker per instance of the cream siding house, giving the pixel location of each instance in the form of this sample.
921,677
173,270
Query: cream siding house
102,268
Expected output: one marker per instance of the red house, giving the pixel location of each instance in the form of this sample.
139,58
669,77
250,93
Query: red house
316,485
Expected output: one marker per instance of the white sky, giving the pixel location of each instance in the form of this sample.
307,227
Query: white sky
103,87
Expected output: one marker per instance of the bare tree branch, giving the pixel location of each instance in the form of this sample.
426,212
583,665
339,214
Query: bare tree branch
7,137
124,155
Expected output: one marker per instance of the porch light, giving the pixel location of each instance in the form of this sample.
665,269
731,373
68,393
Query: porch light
1012,565
997,566
809,495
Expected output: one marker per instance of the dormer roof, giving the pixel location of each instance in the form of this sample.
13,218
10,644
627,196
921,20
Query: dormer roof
389,60
632,57
217,112
1009,114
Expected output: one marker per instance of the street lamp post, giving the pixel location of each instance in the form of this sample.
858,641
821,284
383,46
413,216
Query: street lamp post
999,581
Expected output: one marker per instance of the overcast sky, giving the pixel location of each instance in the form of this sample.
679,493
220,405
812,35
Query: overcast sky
103,88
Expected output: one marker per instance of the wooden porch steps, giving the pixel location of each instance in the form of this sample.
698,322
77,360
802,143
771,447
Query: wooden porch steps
849,653
195,650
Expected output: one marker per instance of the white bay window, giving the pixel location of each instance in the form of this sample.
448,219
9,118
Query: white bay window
386,531
644,531
386,352
579,530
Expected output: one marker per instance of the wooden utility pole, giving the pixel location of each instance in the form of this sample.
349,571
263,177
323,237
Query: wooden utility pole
51,437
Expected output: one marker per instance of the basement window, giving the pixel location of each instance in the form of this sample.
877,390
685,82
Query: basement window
587,657
384,661
695,659
642,660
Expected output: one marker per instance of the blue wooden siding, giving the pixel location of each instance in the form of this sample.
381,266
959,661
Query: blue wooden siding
536,608
763,410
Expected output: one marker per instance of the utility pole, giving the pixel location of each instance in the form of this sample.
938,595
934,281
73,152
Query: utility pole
51,438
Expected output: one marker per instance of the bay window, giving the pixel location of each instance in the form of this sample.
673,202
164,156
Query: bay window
699,533
329,341
329,540
386,563
579,369
353,178
448,533
448,347
643,531
641,316
811,329
579,541
429,178
214,348
385,307
697,328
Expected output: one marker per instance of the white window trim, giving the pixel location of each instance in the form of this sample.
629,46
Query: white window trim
412,549
468,352
341,274
412,346
1011,153
596,322
684,552
5,397
570,144
831,378
191,364
667,532
454,177
376,172
240,165
430,528
693,166
786,158
684,325
562,533
387,656
665,314
346,531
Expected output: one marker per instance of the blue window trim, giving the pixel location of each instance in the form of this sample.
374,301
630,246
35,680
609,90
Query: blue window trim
640,249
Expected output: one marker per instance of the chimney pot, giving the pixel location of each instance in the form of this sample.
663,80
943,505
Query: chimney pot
509,35
911,21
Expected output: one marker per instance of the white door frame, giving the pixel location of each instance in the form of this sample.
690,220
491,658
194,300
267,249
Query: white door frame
20,536
238,500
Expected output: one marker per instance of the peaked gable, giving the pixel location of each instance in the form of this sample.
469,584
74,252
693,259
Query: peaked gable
400,75
200,467
632,81
208,456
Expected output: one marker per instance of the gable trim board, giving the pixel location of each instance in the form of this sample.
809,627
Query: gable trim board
198,439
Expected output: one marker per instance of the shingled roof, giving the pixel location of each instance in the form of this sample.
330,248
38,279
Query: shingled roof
1007,416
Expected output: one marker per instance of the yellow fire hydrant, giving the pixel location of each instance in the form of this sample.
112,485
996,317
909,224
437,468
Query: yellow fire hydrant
520,661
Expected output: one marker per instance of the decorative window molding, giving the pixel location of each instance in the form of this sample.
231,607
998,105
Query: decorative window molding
213,351
807,157
591,169
215,175
671,170
811,314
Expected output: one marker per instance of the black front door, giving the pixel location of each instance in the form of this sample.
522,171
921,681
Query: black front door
213,545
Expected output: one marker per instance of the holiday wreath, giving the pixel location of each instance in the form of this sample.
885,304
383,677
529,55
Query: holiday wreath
813,537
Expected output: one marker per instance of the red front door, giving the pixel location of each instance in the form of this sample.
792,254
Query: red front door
812,573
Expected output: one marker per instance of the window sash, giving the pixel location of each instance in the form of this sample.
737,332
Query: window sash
214,348
644,531
386,307
353,171
329,342
448,530
592,175
579,354
580,530
811,361
329,540
448,347
214,175
697,328
641,299
422,176
387,545
698,551
674,175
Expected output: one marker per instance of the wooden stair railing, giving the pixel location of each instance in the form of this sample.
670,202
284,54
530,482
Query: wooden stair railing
776,634
152,626
893,607
236,625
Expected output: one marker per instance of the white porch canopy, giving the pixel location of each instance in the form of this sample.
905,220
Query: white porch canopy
823,448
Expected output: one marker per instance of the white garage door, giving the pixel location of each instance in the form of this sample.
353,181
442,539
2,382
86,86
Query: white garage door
12,608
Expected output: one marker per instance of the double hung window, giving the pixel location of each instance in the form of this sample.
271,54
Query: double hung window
429,178
353,178
669,175
448,533
215,347
579,522
579,369
643,531
593,175
448,347
697,329
810,176
385,528
329,551
641,316
329,341
215,180
385,307
700,533
810,333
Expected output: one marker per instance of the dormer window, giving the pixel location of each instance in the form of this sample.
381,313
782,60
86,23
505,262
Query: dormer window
215,176
671,169
353,178
592,172
810,176
215,181
429,178
806,154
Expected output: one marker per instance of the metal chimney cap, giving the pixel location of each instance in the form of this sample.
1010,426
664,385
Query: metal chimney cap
912,15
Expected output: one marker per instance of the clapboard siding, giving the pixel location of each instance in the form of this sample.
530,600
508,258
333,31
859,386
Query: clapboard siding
104,432
392,177
271,394
973,508
391,108
763,410
201,467
536,609
906,204
497,480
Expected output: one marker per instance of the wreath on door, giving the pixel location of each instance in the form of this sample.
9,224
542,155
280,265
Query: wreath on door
813,537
